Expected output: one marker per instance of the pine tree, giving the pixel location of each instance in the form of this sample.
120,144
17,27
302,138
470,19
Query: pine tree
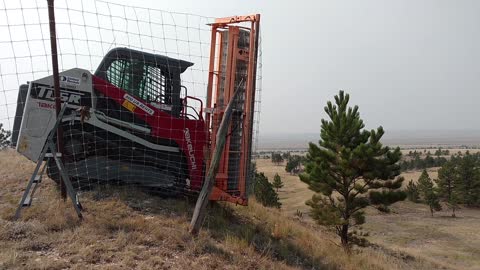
277,158
264,192
428,192
448,186
412,192
469,179
347,165
382,199
4,137
431,199
293,164
277,182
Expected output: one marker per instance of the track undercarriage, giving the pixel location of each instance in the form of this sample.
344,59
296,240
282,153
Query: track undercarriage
94,156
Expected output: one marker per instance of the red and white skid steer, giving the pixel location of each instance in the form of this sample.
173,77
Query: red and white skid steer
132,121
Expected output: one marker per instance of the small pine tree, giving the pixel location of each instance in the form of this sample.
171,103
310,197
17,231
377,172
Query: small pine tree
264,192
469,179
277,158
428,192
4,137
293,164
277,182
448,186
412,192
432,200
349,170
286,155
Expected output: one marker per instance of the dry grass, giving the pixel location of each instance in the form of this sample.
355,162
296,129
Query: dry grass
122,228
125,228
453,243
408,234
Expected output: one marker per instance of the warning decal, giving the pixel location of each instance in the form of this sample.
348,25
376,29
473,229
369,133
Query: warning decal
128,105
136,103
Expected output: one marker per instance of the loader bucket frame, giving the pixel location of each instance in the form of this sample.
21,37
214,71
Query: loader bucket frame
233,65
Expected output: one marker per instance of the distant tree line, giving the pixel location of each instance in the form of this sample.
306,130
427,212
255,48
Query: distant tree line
418,163
438,152
458,183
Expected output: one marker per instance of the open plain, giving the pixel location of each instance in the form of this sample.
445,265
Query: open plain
453,243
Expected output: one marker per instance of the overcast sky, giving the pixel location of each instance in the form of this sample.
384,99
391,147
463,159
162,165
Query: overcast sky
409,65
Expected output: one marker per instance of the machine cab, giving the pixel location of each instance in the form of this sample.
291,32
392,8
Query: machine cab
151,77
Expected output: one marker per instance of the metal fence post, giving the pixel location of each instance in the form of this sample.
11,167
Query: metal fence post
56,83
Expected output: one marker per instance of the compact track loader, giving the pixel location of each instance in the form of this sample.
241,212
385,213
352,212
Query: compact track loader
132,120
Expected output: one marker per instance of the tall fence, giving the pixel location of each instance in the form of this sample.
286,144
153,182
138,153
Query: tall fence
86,31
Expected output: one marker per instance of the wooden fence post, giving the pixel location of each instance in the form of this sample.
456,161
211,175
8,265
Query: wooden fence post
202,201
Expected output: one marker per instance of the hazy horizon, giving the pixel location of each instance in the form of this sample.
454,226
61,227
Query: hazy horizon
392,137
386,131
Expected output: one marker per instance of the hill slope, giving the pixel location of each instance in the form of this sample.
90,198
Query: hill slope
125,228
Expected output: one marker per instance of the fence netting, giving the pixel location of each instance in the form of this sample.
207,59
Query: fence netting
135,80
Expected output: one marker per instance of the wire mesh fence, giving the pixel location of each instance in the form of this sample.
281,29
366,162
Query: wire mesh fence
135,80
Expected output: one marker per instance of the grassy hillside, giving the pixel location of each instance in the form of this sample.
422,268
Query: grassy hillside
409,229
124,228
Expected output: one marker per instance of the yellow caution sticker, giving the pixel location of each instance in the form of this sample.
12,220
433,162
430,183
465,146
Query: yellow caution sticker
128,105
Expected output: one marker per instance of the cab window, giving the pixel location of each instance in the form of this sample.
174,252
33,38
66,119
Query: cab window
147,82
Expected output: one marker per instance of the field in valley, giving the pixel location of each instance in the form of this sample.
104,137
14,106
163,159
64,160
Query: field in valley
453,243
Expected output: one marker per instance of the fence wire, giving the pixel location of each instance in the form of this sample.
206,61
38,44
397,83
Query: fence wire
104,38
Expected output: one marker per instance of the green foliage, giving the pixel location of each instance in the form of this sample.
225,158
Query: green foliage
277,182
324,212
441,152
293,164
424,181
349,170
428,192
432,200
4,137
412,192
277,158
459,181
468,170
449,185
264,192
422,163
382,199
